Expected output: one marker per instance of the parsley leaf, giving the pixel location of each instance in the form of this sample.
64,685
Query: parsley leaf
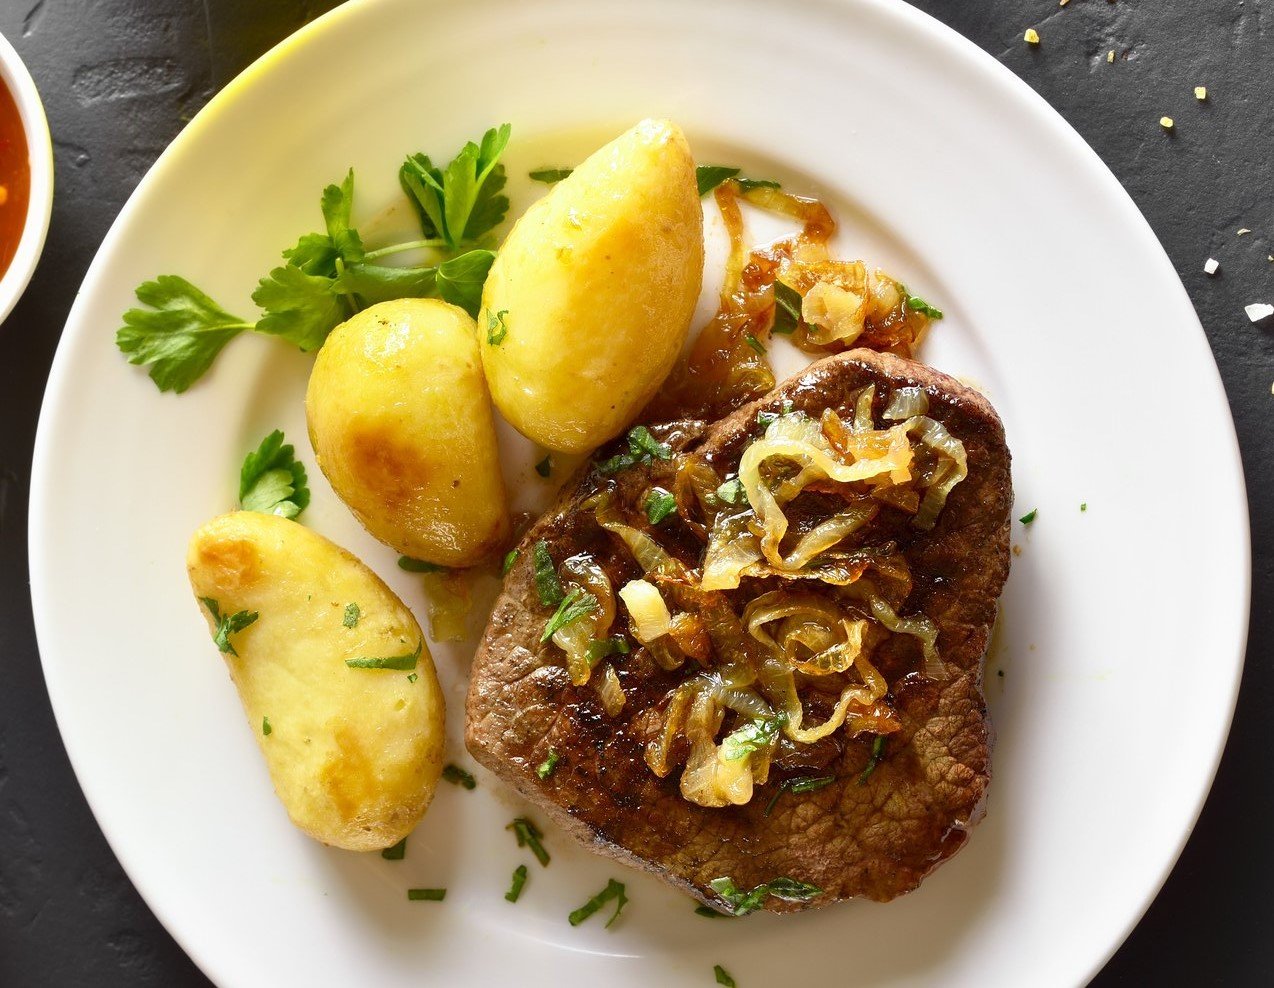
460,280
271,481
800,784
181,333
601,648
549,176
461,203
497,328
754,343
613,891
395,853
1029,517
760,733
266,729
732,492
659,504
227,624
741,903
352,614
373,283
419,565
405,661
787,308
545,467
302,308
642,448
547,585
723,976
748,184
548,765
574,606
710,176
459,777
510,558
920,305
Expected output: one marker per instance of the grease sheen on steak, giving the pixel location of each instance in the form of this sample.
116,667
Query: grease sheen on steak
875,840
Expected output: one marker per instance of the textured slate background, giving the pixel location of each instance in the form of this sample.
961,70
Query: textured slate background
121,77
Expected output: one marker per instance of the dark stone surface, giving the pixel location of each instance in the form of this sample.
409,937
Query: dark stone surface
121,77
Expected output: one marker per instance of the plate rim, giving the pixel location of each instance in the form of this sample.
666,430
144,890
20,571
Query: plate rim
956,45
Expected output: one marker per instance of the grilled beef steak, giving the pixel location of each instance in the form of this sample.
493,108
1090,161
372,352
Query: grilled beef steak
885,822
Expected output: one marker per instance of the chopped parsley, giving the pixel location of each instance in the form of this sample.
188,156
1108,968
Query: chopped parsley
395,853
528,835
271,481
519,880
800,784
548,765
426,895
748,184
642,448
419,565
787,308
1083,506
227,624
659,504
458,776
1029,517
732,492
601,648
510,558
613,892
405,661
711,913
266,729
741,903
723,976
352,614
754,343
549,176
574,606
547,585
710,176
920,305
412,677
753,736
877,755
497,327
766,419
545,466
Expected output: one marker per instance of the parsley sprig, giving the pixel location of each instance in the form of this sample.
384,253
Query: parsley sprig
741,903
328,276
227,624
272,482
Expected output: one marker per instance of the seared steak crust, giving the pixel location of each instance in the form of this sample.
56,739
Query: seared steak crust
875,839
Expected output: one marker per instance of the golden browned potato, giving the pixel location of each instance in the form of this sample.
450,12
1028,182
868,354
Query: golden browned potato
588,302
333,672
401,424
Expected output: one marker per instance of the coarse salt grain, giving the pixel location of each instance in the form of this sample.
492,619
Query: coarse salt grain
1200,92
1110,55
1211,266
1258,311
1243,232
1032,36
1167,123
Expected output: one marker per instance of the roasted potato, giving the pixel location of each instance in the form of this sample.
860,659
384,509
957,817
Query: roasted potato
588,302
401,424
354,752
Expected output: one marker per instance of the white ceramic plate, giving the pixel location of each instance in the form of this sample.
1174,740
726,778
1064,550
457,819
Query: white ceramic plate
1122,633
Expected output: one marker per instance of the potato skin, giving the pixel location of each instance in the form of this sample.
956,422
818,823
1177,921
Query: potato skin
354,754
598,282
402,427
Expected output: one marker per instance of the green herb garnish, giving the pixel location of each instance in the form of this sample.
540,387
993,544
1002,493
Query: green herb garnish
227,624
723,976
545,466
405,661
877,755
528,835
266,729
574,606
497,328
710,176
412,677
510,558
659,504
329,276
549,175
458,776
754,343
787,309
614,891
352,614
920,305
601,648
800,784
741,903
271,481
396,852
642,448
547,585
732,492
519,880
1029,517
1083,506
426,895
711,913
748,184
548,765
760,733
419,565
766,419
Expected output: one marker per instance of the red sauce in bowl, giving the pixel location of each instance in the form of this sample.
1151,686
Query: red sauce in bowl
15,177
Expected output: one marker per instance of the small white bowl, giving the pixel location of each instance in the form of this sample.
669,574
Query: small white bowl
15,76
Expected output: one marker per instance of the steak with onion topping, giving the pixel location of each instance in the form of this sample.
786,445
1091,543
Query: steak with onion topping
883,824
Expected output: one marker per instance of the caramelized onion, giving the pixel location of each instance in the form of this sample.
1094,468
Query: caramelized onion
583,571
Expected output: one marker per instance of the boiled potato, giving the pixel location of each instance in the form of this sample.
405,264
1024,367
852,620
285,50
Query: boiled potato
354,753
401,424
588,302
